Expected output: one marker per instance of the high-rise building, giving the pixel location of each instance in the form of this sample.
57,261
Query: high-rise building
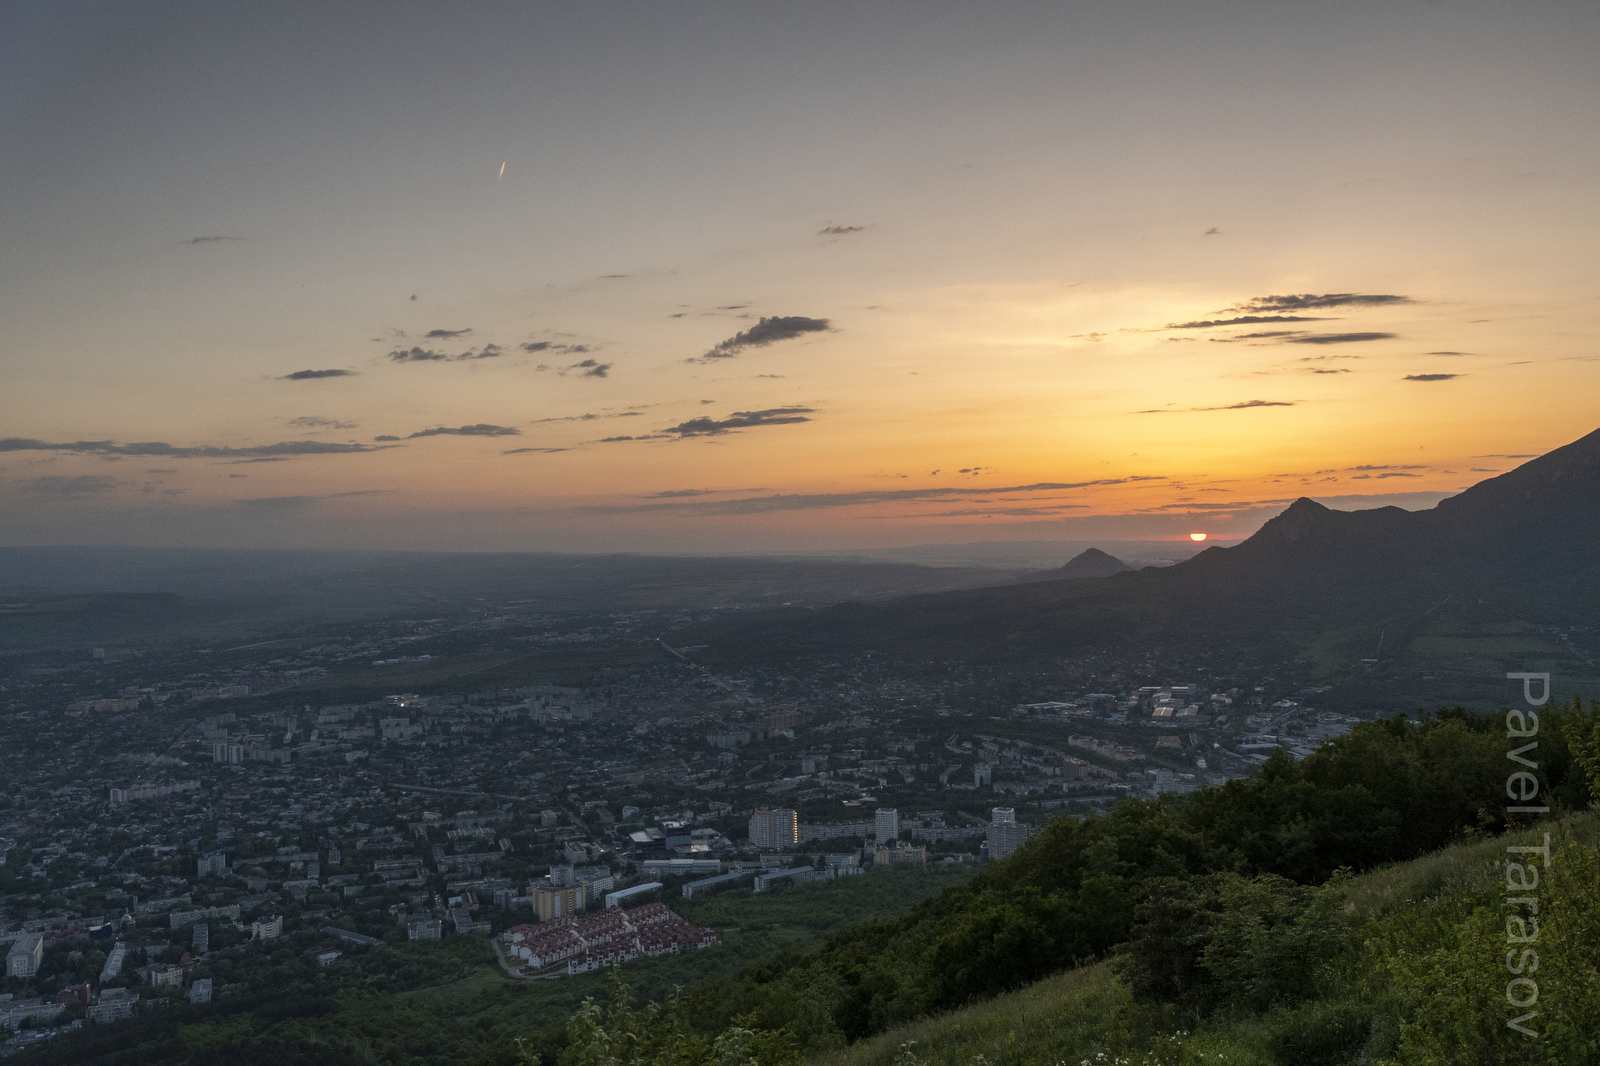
779,828
886,825
559,895
1005,835
212,862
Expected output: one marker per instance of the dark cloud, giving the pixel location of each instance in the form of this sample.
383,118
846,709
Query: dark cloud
650,436
766,331
1313,302
526,451
169,451
553,346
1266,335
800,502
1341,338
210,240
417,355
839,231
481,429
386,436
314,422
70,488
312,375
446,334
1324,370
488,351
708,427
1386,466
1243,320
672,493
1431,377
1528,455
611,277
1449,353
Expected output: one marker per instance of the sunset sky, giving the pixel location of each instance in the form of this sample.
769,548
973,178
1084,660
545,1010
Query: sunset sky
686,276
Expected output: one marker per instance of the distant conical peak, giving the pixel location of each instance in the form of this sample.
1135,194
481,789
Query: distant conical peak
1092,562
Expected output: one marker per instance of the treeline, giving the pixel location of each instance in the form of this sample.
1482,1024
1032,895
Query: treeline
1386,792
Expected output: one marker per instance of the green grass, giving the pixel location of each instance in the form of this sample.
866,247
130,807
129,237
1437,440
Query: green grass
1073,1017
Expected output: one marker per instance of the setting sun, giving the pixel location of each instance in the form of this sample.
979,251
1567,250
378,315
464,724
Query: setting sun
1197,536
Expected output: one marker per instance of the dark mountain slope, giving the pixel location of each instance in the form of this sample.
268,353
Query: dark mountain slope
1519,545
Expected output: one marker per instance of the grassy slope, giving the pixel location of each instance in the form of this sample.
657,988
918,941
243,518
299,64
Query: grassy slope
1075,1016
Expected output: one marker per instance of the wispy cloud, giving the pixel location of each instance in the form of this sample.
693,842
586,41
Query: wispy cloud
418,355
1264,335
283,449
766,331
1242,320
481,429
1243,405
312,375
591,417
1340,338
1430,377
1313,302
446,334
529,451
805,502
839,231
776,416
70,488
314,422
210,240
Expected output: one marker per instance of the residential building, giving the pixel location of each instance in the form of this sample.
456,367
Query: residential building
1005,835
771,828
900,853
161,974
266,928
558,895
616,899
424,929
212,862
798,874
25,955
114,1003
200,991
886,825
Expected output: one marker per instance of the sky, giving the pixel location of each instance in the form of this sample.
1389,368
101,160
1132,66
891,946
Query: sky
743,277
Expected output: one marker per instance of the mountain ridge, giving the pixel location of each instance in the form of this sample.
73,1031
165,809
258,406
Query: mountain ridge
1518,544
